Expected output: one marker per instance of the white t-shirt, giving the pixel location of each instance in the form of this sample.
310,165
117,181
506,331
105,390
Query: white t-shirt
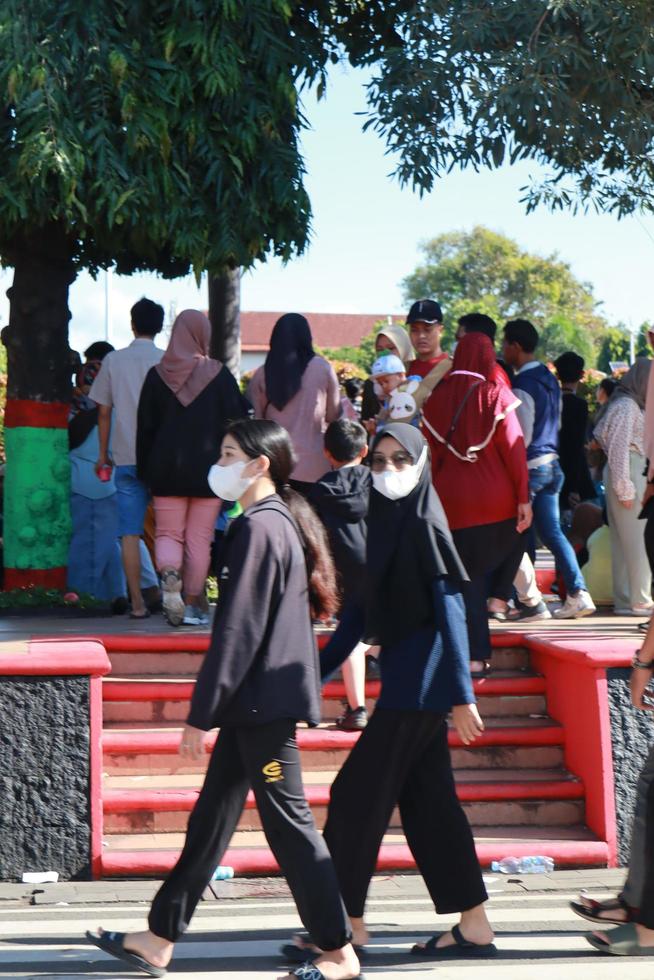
119,384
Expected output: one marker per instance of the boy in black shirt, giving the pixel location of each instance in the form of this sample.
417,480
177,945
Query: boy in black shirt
341,500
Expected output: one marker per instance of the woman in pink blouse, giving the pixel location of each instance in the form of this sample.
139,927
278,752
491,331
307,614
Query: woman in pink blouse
619,431
298,389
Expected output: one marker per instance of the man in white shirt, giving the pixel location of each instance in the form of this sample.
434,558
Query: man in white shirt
117,389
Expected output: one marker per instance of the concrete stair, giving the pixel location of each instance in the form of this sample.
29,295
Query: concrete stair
512,782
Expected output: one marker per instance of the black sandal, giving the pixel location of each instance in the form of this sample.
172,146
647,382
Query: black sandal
309,971
591,911
461,948
302,954
113,943
478,675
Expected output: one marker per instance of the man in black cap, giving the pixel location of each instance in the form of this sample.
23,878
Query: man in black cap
425,323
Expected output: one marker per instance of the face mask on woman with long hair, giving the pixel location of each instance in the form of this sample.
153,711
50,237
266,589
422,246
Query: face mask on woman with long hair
396,484
228,482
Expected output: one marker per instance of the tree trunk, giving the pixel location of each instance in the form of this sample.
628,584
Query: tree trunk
39,368
224,313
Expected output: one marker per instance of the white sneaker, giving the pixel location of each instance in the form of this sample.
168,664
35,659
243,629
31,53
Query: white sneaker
576,606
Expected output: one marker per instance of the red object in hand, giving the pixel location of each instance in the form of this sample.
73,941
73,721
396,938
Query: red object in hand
104,472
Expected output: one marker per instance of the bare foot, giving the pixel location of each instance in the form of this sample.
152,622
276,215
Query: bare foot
154,949
474,927
360,935
337,964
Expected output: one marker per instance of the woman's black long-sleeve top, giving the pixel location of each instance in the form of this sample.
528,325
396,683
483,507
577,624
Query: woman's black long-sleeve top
262,662
176,445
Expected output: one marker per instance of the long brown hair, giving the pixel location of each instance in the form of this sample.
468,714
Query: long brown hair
263,437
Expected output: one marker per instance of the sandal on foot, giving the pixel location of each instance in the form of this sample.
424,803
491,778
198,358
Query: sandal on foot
309,971
302,954
590,909
461,948
113,943
623,941
478,675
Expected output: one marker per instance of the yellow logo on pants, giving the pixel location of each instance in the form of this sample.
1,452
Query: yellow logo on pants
273,771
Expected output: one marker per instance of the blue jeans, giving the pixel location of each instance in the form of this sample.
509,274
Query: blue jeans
132,498
545,483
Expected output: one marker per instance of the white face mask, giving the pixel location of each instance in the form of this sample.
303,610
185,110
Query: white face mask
227,482
396,484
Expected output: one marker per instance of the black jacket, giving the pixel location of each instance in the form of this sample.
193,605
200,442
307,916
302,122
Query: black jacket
177,445
341,499
573,436
262,662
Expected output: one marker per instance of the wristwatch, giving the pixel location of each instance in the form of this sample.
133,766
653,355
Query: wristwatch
639,663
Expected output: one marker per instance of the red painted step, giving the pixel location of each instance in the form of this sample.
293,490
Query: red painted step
392,857
182,690
321,739
183,800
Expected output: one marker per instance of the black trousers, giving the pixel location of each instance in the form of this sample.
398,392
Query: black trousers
402,757
485,550
266,758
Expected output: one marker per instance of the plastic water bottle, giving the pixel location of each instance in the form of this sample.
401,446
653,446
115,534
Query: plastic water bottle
222,873
531,865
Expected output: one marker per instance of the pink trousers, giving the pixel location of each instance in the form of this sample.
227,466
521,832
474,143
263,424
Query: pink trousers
183,536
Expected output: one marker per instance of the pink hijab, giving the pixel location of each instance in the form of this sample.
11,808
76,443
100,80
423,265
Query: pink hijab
186,366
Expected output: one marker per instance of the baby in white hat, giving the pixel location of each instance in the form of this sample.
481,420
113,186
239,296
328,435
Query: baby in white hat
389,377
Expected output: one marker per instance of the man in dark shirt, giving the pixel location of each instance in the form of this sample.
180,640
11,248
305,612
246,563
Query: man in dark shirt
573,433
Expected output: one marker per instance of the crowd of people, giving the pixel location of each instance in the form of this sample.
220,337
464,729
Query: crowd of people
412,531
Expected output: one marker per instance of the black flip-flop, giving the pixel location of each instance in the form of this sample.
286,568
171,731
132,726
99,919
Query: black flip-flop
301,954
145,615
592,911
309,971
461,948
112,943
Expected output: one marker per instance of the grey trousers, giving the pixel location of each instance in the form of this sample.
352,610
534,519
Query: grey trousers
632,577
633,888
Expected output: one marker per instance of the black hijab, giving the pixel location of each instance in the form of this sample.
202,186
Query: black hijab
409,545
291,349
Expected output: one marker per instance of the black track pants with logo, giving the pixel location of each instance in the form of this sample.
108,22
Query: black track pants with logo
267,759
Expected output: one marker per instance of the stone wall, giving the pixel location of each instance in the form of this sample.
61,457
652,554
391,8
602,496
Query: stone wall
632,733
45,822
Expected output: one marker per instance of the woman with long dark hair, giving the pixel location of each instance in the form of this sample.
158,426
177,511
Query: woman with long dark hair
299,389
415,612
259,678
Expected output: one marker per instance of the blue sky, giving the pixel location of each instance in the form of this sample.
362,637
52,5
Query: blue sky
366,233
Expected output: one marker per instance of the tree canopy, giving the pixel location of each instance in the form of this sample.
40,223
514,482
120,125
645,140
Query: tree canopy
156,134
568,83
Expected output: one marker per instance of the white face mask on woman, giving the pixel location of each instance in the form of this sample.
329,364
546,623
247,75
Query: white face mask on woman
396,484
227,482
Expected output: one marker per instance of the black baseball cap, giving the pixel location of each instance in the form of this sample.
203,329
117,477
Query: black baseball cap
425,311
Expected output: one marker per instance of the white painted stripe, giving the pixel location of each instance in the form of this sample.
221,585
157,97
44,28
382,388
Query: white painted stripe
415,919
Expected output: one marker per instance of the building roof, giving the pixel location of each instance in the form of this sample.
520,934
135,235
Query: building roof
329,330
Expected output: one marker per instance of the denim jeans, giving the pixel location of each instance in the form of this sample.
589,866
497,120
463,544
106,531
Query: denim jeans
545,482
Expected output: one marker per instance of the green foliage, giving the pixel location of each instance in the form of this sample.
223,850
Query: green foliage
37,597
160,134
615,346
567,83
484,271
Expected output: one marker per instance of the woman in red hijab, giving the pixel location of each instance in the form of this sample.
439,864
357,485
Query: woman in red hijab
479,470
186,402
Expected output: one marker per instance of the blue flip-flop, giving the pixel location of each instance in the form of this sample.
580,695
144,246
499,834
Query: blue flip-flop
113,943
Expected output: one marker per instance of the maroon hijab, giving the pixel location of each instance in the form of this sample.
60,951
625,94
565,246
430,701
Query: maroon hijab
186,366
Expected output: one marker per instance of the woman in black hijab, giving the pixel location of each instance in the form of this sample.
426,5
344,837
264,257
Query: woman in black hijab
416,613
298,389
